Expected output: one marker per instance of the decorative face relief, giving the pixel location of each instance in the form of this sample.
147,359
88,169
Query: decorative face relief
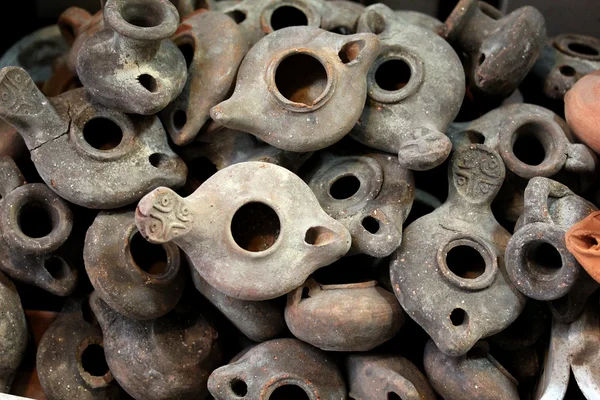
279,369
537,259
213,47
415,89
348,317
36,225
258,320
300,89
532,141
247,217
454,377
370,194
13,332
70,357
138,279
449,273
180,349
131,65
370,376
500,50
89,154
563,62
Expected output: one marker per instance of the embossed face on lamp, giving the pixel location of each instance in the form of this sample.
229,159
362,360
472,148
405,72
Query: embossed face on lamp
451,281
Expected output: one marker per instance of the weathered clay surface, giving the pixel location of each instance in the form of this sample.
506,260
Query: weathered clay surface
373,377
476,375
167,358
258,320
279,369
500,50
36,225
582,241
582,110
554,379
537,259
70,358
301,88
415,89
187,7
131,65
138,279
563,61
13,332
87,153
584,336
369,193
243,231
214,47
449,273
348,317
532,141
420,19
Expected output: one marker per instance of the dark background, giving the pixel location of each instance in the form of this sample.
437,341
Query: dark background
562,16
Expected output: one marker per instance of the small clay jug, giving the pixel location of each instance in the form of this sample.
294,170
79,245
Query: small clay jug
279,369
367,192
371,376
346,317
36,227
415,89
301,88
167,358
244,232
89,154
138,279
70,357
131,65
449,272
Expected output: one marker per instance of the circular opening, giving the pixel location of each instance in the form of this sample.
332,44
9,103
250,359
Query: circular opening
393,396
318,236
305,293
142,13
475,137
527,146
393,75
179,119
289,392
56,267
344,187
150,258
458,317
237,15
465,262
288,16
543,258
301,78
158,160
567,70
187,49
93,360
102,133
351,50
255,227
238,387
35,220
148,82
583,48
371,225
